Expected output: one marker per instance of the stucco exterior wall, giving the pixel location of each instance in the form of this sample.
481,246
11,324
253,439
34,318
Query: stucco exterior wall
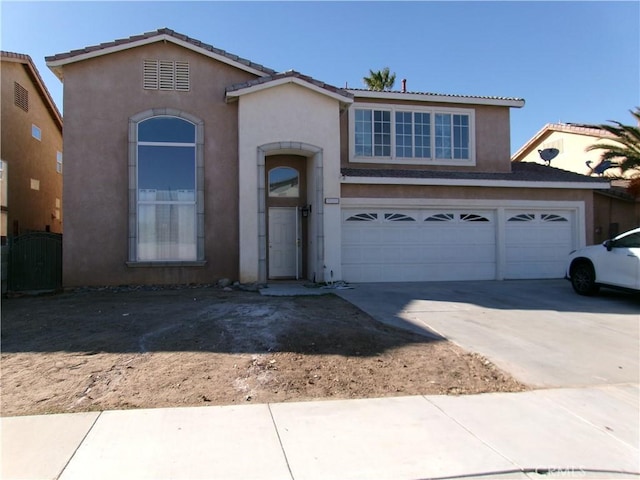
289,113
492,138
100,95
28,158
609,210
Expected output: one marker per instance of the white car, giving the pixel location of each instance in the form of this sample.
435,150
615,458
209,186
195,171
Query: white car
615,263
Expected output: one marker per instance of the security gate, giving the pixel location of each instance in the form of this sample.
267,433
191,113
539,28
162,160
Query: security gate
35,262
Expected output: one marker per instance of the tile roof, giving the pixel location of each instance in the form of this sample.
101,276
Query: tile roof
37,80
576,128
289,74
124,42
355,91
520,172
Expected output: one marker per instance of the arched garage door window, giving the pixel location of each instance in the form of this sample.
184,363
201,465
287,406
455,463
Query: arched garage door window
166,190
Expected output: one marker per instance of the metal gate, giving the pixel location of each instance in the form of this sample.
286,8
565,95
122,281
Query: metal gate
35,262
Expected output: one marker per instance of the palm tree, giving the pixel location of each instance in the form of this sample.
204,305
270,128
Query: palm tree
627,149
380,80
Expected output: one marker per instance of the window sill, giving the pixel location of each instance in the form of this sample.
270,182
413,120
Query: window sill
165,264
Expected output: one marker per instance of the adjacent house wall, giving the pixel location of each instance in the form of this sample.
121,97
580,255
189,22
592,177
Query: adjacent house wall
32,183
100,96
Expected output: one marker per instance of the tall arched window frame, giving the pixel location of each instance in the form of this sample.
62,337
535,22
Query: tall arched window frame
166,213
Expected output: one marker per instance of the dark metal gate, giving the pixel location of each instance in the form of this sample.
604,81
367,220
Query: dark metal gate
35,262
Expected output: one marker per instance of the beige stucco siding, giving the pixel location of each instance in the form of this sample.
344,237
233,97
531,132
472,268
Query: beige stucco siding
293,114
492,138
28,158
101,94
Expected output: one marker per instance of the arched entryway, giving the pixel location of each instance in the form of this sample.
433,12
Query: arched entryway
290,211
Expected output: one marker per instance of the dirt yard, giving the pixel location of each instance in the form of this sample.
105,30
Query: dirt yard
119,348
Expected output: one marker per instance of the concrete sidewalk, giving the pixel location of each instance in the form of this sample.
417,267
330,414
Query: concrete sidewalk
558,433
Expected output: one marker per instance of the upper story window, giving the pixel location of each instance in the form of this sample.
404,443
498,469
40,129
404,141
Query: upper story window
36,132
412,134
21,96
166,75
59,162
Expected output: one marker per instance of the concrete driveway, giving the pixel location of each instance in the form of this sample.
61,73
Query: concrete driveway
540,331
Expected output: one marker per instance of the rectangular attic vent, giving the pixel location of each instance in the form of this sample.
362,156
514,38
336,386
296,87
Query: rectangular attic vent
166,75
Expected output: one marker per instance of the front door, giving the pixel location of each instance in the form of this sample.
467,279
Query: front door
283,242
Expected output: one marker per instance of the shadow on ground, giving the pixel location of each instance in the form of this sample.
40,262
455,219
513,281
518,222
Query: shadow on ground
194,319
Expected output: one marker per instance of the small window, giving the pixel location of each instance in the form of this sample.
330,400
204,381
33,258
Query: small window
284,182
440,217
59,162
36,132
21,96
472,217
550,217
35,184
363,217
524,217
1,169
398,217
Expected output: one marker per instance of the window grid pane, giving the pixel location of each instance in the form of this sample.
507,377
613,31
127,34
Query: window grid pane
404,134
363,133
460,136
382,133
443,135
423,135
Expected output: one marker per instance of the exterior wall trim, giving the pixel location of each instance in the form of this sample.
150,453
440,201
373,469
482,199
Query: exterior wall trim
453,182
283,81
421,97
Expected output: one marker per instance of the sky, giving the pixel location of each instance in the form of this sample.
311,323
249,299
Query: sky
570,61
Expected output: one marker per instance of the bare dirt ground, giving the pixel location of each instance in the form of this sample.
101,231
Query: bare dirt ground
143,348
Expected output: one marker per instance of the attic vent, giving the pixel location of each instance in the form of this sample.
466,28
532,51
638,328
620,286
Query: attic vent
21,96
166,75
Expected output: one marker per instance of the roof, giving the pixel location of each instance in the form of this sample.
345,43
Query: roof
290,76
549,128
521,173
56,62
37,81
438,97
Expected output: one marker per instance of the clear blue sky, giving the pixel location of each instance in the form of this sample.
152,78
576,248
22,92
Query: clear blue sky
570,61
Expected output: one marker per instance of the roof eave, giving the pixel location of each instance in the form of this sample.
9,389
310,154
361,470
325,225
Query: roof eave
56,65
421,97
235,94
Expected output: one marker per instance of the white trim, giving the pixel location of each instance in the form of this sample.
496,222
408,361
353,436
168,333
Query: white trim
393,159
421,97
286,80
55,65
455,182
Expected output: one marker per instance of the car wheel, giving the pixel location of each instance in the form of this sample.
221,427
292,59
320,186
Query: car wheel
583,279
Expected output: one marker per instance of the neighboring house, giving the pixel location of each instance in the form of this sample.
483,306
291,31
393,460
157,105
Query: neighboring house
615,211
31,152
185,164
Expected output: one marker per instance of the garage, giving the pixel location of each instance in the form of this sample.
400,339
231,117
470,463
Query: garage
538,243
389,245
440,244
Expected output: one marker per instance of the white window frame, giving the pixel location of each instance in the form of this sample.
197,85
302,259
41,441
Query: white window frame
393,158
36,132
59,162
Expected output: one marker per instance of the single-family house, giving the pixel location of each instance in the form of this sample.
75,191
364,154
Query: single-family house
185,163
615,210
31,151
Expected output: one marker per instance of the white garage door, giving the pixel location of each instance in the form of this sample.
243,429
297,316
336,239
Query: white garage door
538,243
391,245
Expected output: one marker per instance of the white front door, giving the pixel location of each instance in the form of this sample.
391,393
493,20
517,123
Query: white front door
283,242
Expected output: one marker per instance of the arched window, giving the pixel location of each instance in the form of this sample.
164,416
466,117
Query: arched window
284,182
166,190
